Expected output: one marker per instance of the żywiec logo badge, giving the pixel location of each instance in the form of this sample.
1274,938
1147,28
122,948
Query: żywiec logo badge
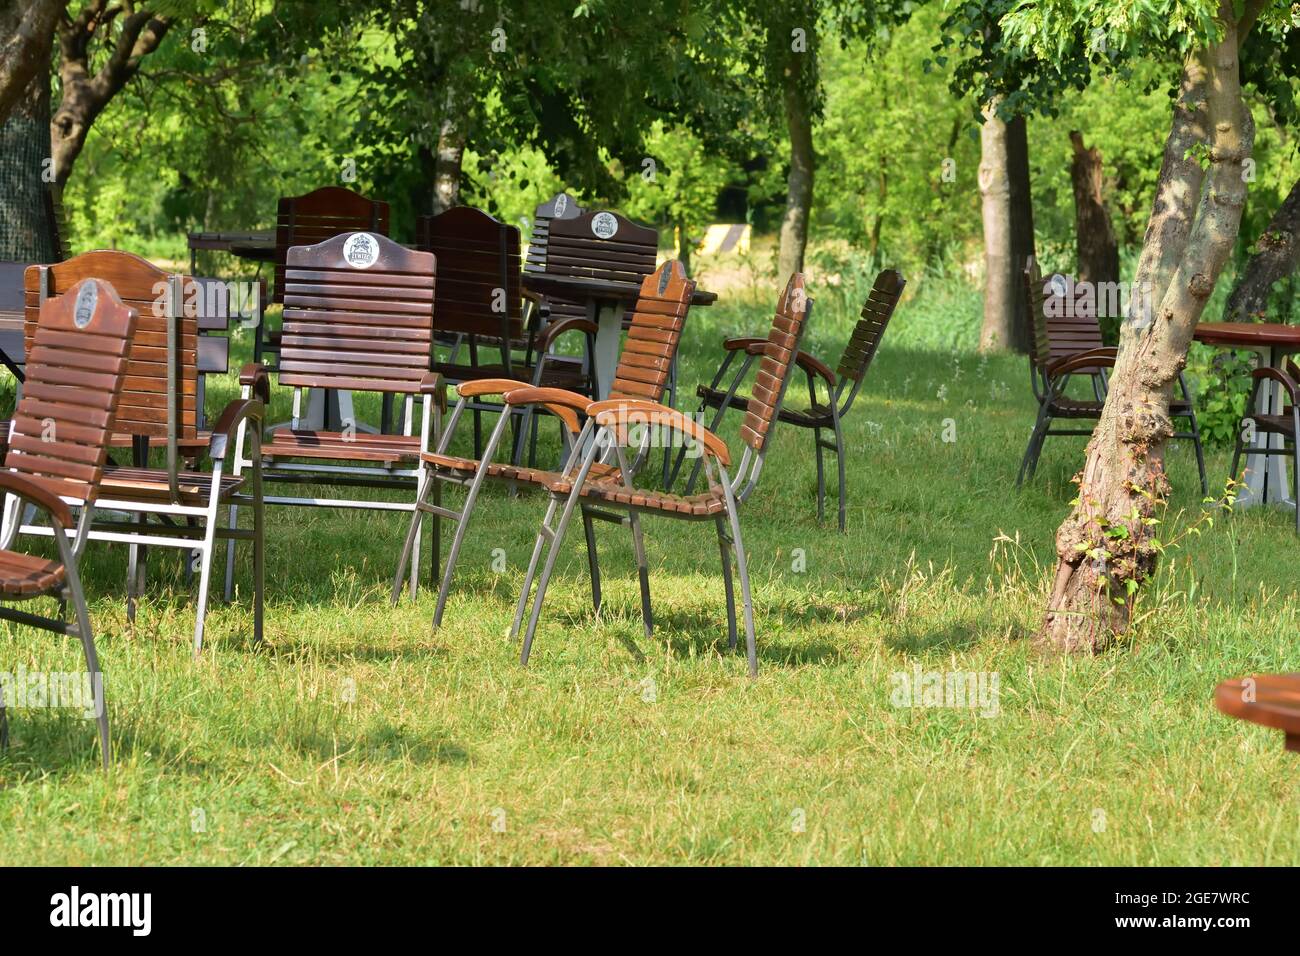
361,250
85,307
604,225
561,204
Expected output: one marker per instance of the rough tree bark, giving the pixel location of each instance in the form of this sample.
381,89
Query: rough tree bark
1104,546
26,229
1095,245
85,94
447,166
26,36
1008,231
1276,256
799,186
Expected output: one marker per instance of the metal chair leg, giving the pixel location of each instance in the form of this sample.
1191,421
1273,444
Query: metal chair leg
742,567
821,475
232,522
526,589
593,559
87,638
422,491
259,551
724,545
839,462
1036,437
557,537
643,572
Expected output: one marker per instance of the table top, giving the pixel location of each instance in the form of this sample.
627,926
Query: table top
1248,334
1272,700
223,240
599,288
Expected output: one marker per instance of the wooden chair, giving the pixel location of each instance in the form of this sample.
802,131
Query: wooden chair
481,301
310,219
842,386
1272,700
659,318
61,428
560,206
610,495
358,315
1279,418
1067,342
159,402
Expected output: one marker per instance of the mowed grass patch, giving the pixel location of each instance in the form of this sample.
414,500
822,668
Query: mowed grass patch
357,734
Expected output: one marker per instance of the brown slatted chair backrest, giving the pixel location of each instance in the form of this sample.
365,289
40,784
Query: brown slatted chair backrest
320,215
1064,322
75,370
867,333
142,409
562,206
478,263
774,371
358,314
656,332
1036,301
601,245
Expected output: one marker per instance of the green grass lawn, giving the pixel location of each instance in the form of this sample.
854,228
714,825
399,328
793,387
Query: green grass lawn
355,734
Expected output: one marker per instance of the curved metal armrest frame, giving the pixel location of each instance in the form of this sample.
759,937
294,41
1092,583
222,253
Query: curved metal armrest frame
1093,358
235,414
15,484
617,414
1269,373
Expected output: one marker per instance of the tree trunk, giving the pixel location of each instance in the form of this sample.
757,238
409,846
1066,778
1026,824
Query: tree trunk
799,188
1104,546
1095,245
1276,256
446,176
26,228
26,35
1007,210
85,94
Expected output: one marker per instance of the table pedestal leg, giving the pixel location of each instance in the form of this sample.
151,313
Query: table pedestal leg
609,324
328,409
1268,477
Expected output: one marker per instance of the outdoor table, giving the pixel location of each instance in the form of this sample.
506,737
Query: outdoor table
252,245
1271,700
1266,480
606,300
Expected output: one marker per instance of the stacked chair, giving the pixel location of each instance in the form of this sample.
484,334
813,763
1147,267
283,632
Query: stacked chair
61,429
172,506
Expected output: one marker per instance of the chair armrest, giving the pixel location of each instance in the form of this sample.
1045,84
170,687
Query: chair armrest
616,412
1093,358
553,331
51,503
433,384
488,386
254,374
237,411
732,345
1279,376
559,401
816,366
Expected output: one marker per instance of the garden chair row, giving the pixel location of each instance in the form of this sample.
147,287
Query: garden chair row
176,505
